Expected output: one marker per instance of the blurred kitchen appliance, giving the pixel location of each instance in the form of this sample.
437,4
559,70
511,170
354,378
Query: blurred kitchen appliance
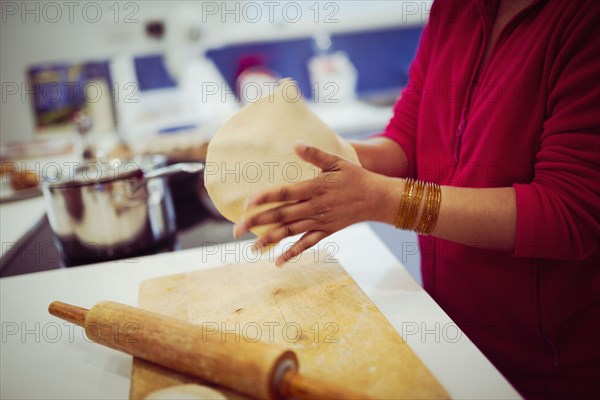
333,76
105,211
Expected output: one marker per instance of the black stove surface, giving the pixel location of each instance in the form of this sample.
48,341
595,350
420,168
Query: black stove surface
198,224
38,251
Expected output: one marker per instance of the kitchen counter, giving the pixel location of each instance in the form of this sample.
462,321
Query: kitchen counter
43,357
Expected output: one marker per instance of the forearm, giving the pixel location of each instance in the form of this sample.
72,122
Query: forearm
381,155
475,217
483,218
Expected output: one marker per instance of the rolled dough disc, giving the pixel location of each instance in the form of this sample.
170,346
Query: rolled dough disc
186,392
253,151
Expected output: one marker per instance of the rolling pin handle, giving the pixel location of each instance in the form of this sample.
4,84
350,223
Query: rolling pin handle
297,387
73,314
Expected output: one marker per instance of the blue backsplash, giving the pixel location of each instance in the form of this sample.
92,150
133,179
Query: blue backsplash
382,57
287,57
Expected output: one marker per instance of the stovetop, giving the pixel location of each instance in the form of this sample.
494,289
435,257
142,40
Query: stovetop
197,223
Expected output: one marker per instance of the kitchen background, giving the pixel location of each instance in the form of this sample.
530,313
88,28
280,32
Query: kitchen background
133,77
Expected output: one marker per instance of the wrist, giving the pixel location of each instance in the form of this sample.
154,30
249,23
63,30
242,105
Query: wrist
361,152
387,194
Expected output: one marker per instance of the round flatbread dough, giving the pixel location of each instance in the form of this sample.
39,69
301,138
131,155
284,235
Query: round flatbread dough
186,392
253,151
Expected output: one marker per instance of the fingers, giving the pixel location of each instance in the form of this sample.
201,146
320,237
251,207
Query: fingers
307,241
279,233
297,192
278,215
327,162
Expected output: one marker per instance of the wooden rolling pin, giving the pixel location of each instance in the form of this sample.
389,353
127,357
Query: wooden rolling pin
257,369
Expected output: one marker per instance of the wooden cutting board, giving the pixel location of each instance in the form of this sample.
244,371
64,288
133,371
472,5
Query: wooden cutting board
312,306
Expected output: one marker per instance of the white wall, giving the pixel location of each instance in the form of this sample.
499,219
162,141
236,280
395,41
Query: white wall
33,32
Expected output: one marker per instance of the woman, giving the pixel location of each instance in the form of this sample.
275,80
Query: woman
501,113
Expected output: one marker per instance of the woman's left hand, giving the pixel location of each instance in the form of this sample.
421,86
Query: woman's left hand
343,193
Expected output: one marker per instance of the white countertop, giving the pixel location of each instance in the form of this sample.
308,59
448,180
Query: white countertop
43,357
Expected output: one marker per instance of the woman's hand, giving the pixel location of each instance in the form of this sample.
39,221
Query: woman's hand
343,193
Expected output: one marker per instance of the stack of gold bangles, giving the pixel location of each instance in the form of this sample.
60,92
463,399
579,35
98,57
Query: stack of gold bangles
410,204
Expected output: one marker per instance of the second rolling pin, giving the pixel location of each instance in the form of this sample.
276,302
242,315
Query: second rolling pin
257,369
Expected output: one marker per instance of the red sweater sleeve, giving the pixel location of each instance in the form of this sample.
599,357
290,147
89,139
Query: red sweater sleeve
558,212
402,127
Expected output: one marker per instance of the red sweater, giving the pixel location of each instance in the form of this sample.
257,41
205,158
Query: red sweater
529,118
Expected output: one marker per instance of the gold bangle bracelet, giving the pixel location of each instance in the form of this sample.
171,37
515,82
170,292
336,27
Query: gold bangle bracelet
406,194
430,214
426,216
436,211
415,206
410,205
